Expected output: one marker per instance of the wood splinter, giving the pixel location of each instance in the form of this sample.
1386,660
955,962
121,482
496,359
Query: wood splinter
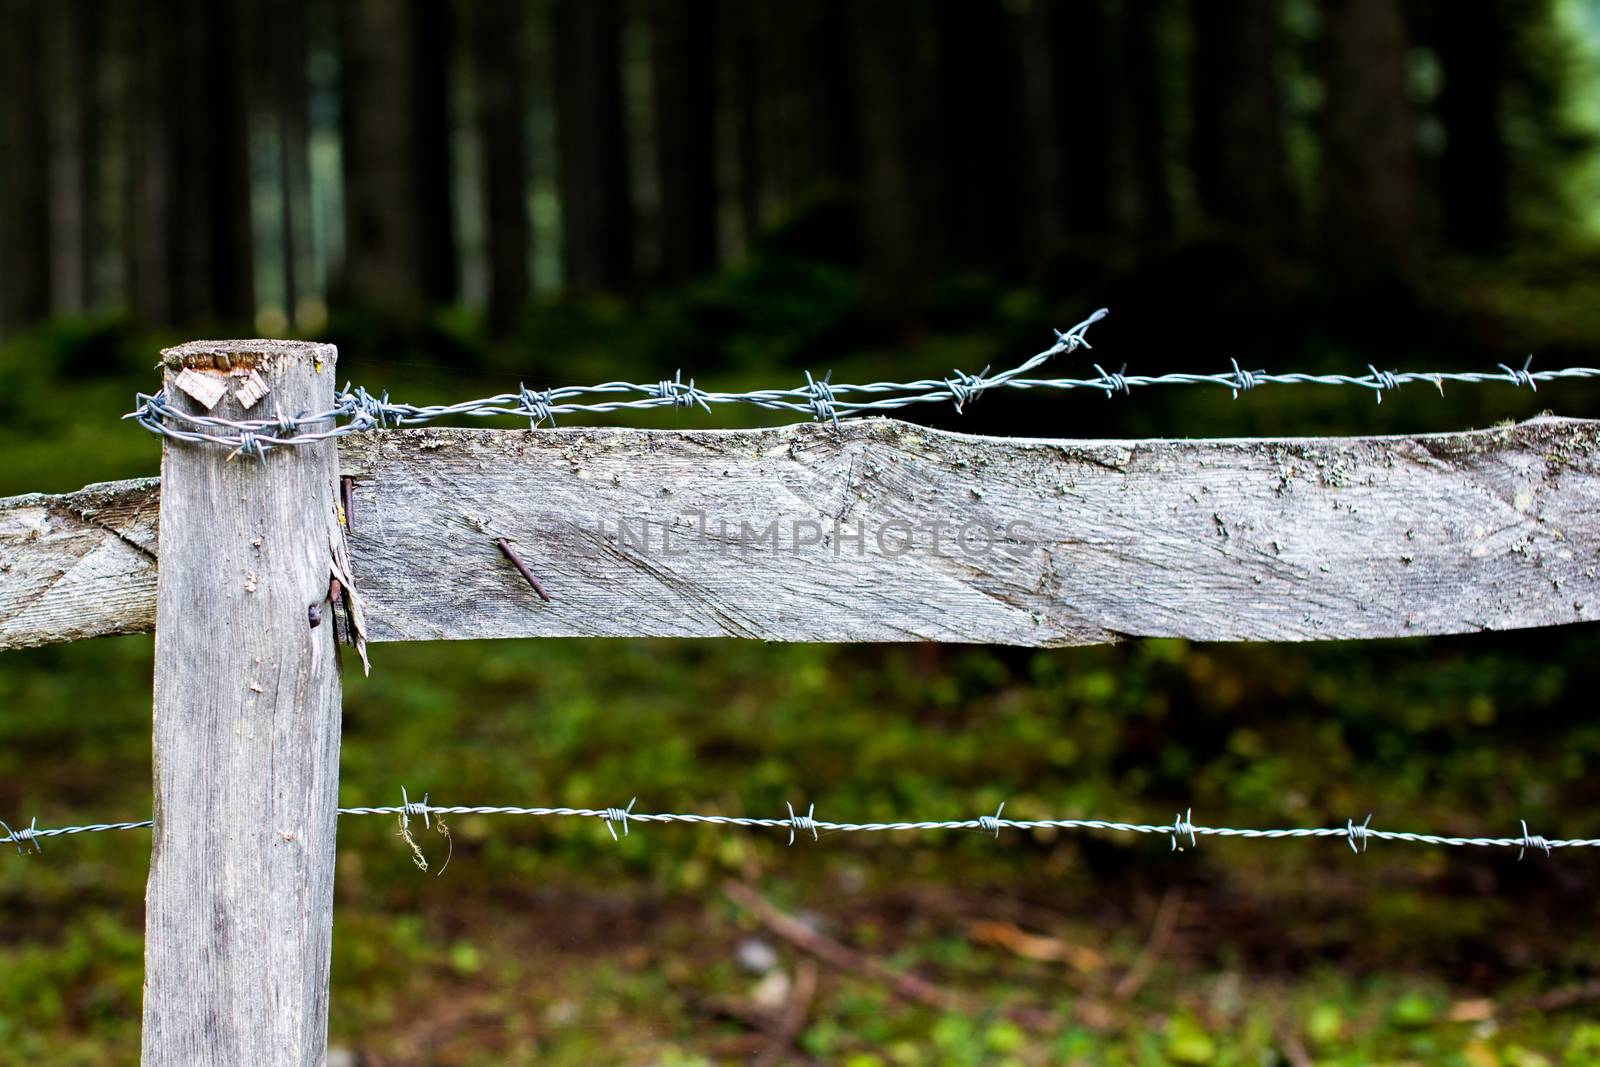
522,568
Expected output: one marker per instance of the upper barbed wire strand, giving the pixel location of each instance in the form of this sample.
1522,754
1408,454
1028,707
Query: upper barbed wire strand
357,410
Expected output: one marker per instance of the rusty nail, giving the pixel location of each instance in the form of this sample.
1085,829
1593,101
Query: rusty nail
347,489
339,597
522,568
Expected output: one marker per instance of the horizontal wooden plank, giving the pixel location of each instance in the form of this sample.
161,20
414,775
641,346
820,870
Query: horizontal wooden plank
78,565
884,531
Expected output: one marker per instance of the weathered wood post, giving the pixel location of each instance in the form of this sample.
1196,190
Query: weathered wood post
239,911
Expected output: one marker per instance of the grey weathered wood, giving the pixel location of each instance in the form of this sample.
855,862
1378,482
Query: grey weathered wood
239,912
78,565
1209,539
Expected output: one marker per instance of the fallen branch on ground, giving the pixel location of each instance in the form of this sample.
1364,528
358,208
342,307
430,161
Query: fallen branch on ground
835,954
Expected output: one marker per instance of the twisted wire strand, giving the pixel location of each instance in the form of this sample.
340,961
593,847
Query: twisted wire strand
1181,831
821,399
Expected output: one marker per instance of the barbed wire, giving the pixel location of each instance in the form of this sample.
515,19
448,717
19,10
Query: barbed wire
1182,829
357,410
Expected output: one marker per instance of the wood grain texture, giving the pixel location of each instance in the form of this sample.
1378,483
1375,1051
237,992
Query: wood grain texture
239,911
78,565
1209,539
1206,539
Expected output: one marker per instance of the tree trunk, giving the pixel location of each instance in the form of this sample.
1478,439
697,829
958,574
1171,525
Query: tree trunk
193,184
749,95
780,58
898,242
1148,206
834,84
213,254
1471,39
69,102
382,247
288,28
151,153
684,69
431,48
1369,150
92,59
1237,149
979,99
1046,158
1076,42
596,209
24,165
500,72
399,231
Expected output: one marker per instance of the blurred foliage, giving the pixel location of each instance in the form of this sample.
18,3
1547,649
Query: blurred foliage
549,941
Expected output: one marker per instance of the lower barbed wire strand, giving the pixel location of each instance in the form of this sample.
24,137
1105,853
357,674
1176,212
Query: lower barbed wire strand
1180,829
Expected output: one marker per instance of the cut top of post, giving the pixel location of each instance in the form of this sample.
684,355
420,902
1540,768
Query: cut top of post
258,354
217,392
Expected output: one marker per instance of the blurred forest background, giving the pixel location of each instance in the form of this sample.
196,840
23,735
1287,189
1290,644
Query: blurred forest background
236,164
464,194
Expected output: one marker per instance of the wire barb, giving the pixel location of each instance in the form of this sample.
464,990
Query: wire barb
1381,380
1521,377
965,388
682,396
822,399
1073,338
1359,832
1531,841
1181,826
408,809
802,823
287,425
991,823
250,447
612,816
1113,383
28,835
536,406
372,411
1243,380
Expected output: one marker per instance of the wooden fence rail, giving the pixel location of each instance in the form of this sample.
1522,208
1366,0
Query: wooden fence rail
875,531
808,534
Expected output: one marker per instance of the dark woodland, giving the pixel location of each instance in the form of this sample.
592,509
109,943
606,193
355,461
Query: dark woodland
232,163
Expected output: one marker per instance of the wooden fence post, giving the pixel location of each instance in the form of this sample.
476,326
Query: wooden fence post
239,911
